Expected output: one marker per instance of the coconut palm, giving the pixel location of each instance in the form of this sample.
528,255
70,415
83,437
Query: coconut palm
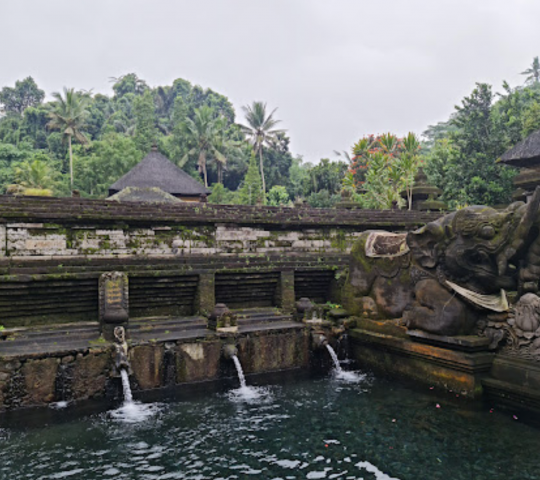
68,114
260,130
533,72
204,133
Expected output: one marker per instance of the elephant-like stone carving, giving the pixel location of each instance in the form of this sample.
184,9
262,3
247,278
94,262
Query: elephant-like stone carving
442,277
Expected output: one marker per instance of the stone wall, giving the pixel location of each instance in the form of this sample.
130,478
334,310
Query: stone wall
38,380
181,259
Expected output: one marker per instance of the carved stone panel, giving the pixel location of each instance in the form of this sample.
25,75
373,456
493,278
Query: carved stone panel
113,298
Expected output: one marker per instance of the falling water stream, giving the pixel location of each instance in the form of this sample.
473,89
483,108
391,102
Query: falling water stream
128,397
335,359
340,374
245,393
240,372
131,411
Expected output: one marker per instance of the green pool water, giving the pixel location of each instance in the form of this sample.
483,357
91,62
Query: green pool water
307,428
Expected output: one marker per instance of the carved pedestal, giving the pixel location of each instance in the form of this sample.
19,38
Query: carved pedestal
453,363
113,302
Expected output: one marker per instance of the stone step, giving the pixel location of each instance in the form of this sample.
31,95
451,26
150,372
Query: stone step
263,319
172,335
51,332
155,321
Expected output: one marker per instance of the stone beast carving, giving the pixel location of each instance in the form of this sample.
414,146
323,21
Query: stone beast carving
441,277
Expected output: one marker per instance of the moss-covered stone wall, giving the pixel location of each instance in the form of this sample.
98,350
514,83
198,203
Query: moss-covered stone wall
36,380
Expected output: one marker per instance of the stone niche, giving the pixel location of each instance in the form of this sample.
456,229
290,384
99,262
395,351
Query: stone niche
113,302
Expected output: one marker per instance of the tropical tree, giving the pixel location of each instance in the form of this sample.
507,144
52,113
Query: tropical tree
128,83
533,72
384,167
25,94
34,178
250,193
145,121
204,133
68,114
408,164
278,196
261,131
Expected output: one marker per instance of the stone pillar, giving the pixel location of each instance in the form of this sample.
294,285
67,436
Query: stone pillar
3,240
285,295
206,293
113,302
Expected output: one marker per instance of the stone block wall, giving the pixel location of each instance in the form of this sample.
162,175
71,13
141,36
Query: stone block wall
180,259
39,380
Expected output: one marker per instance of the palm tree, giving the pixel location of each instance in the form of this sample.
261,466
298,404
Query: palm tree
204,134
68,114
533,72
225,146
260,130
33,178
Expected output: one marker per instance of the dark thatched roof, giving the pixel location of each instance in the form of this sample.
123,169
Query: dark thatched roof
144,195
525,154
155,170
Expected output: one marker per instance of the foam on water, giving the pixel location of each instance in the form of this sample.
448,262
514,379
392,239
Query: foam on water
134,412
247,394
244,393
131,411
349,376
379,475
343,375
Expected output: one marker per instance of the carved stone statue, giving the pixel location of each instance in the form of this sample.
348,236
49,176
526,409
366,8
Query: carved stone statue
445,276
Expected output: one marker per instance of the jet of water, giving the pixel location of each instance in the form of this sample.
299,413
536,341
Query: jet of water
240,372
347,376
332,353
128,397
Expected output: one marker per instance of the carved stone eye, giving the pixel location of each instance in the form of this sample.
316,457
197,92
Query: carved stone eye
487,232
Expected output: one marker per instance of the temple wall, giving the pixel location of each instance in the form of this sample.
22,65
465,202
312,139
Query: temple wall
181,259
82,374
57,240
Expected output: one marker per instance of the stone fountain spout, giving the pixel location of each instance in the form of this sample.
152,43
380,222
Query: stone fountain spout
318,340
230,351
121,360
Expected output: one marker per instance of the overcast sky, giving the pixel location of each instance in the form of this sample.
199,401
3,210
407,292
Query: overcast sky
335,69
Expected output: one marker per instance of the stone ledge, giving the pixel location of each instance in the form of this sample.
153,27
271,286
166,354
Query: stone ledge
454,370
471,363
466,343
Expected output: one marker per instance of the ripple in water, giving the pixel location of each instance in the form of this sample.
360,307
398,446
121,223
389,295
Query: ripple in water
349,376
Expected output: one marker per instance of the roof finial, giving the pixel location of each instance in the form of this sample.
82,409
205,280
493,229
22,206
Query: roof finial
154,147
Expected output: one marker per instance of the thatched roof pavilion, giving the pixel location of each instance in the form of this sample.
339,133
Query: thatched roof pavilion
525,154
156,170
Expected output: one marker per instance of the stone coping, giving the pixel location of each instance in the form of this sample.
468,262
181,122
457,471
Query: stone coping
78,210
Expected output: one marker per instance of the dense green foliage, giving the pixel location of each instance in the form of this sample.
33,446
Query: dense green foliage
86,141
461,153
382,168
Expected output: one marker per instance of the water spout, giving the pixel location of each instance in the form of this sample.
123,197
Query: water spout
318,340
240,372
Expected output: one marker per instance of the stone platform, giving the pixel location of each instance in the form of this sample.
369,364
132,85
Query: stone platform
514,383
457,363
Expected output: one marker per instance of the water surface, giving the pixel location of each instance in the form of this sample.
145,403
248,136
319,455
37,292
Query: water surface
349,428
